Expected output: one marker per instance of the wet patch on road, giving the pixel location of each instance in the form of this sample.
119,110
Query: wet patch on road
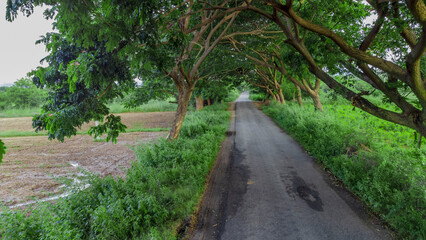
237,181
296,186
236,188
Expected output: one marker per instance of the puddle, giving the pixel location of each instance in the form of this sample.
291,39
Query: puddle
76,182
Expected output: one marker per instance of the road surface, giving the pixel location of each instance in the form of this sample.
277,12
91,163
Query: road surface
267,187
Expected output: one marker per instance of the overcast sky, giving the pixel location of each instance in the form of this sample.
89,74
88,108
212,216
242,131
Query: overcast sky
18,52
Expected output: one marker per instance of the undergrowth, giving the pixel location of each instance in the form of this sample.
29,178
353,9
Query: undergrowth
151,106
375,159
161,189
257,96
19,112
232,95
115,107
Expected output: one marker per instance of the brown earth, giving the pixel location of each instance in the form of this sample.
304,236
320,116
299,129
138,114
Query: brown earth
131,120
34,166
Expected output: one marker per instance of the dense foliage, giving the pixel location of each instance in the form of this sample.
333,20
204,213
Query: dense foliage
22,94
377,160
161,189
2,150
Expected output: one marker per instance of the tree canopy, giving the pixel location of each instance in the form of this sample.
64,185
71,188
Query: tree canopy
340,35
101,47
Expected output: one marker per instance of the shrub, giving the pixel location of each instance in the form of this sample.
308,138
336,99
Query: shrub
161,189
376,159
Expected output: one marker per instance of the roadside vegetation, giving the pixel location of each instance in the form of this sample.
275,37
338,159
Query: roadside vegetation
151,106
14,133
195,52
23,99
377,160
161,190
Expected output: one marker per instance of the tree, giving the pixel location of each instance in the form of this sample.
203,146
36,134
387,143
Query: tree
274,62
339,33
2,150
22,94
133,37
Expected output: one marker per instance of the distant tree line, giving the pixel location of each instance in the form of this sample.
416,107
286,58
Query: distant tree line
23,94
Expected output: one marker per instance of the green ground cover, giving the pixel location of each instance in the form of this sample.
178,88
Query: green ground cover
115,107
161,189
19,112
375,159
13,133
151,106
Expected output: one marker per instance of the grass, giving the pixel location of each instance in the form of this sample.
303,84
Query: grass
14,113
151,106
161,189
375,159
232,95
13,133
257,96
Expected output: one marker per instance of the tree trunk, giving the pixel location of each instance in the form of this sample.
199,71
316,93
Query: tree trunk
317,102
299,96
281,96
209,102
184,97
199,103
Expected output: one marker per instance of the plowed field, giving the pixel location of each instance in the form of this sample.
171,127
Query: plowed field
34,167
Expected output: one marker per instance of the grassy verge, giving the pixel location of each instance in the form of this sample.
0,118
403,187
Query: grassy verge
161,189
257,96
375,159
232,95
151,106
43,133
13,113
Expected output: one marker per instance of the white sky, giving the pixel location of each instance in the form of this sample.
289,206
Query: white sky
18,52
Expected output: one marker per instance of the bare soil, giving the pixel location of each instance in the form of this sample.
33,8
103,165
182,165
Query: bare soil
34,166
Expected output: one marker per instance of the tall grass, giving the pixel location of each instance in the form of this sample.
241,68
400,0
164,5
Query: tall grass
25,112
115,107
377,160
151,106
257,96
14,133
161,189
232,95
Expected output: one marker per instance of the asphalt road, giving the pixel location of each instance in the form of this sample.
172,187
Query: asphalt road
269,188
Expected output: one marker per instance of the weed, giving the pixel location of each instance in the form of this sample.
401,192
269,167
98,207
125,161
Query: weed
161,189
377,160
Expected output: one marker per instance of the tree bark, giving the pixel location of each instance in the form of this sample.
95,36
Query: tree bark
184,97
299,96
317,102
281,96
199,103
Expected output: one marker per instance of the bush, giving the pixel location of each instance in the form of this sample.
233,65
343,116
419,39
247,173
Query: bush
257,96
23,94
161,189
376,159
232,95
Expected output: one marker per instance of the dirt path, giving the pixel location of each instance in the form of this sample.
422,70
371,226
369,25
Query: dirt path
269,188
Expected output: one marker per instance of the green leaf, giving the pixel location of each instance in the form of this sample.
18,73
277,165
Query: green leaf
2,150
